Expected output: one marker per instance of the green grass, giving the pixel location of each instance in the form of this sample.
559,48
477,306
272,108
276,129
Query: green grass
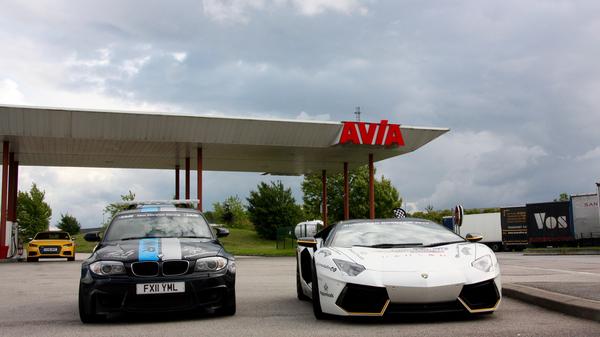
239,242
82,246
247,242
562,249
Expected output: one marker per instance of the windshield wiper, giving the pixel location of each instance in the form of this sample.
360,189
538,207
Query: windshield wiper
138,238
191,237
443,243
163,237
392,245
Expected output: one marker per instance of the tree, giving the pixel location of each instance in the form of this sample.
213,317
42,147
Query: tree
562,197
231,213
69,224
112,209
272,207
33,213
386,196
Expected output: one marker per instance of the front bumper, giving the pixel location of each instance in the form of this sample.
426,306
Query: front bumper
355,299
61,251
206,292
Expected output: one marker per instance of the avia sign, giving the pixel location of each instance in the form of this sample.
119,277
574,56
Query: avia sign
372,134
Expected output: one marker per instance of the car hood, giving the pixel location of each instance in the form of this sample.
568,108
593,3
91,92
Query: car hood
413,259
51,242
156,249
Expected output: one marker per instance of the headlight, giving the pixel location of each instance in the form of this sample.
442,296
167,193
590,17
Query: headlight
32,245
349,268
214,263
106,268
483,263
68,245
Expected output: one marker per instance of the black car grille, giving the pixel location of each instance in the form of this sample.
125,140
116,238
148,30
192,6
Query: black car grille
178,267
154,268
43,249
356,298
482,295
144,268
418,308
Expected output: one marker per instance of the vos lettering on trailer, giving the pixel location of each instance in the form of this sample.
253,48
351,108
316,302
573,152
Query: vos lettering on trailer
549,222
363,133
513,221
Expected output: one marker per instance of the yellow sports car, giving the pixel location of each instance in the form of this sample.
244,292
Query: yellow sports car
51,245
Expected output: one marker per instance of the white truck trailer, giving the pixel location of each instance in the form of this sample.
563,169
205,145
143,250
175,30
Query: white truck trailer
486,224
585,217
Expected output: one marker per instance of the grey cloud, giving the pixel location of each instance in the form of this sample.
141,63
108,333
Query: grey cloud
516,81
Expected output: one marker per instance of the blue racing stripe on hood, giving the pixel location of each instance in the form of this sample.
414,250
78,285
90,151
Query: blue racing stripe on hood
148,250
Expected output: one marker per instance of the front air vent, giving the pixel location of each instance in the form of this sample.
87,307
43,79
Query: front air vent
480,296
359,299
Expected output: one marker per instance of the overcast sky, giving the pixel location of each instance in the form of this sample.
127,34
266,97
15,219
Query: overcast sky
518,83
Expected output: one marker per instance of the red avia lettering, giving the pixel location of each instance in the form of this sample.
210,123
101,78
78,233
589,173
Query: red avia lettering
365,133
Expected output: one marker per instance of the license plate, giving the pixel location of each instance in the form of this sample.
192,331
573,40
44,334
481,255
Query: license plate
50,250
160,288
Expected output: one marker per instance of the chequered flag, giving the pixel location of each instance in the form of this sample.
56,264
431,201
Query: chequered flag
399,213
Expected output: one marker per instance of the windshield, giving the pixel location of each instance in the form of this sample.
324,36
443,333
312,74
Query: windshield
158,225
52,236
389,234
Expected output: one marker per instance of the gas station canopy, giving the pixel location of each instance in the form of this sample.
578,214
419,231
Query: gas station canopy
86,138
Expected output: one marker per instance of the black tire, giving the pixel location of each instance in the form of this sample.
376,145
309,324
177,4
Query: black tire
87,311
316,301
229,306
496,247
71,258
33,259
299,291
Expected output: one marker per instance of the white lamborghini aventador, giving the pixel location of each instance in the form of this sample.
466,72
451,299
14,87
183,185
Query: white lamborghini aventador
396,266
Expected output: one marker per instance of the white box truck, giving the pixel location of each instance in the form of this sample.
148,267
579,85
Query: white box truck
585,217
486,224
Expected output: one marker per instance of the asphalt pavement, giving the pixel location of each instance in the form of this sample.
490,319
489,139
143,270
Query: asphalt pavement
566,283
41,299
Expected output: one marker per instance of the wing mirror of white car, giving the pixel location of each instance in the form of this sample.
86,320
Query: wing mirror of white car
307,242
474,237
222,232
92,237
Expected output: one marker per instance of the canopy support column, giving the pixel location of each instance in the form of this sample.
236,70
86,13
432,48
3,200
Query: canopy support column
199,173
13,188
371,188
346,193
3,195
176,182
324,197
187,178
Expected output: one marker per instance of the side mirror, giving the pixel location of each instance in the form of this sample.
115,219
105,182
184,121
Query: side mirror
307,242
222,232
473,237
92,237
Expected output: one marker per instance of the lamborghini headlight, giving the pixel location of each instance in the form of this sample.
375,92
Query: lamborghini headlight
483,263
107,268
349,268
214,263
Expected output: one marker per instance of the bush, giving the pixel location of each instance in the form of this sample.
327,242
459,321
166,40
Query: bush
272,207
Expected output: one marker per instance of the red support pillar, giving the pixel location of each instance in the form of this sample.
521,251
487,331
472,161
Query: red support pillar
187,178
13,170
3,195
176,182
199,173
324,197
371,188
346,193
